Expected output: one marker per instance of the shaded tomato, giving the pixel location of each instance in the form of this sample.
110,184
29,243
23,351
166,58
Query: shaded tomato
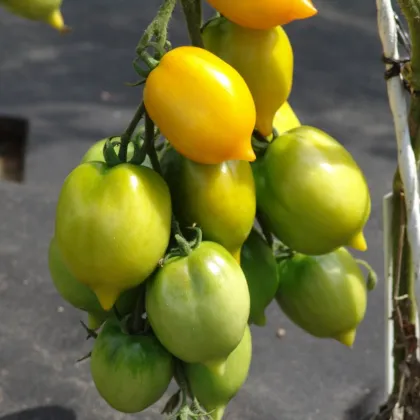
219,198
325,295
264,58
130,372
95,153
81,296
198,305
259,267
264,14
215,391
112,226
202,106
311,192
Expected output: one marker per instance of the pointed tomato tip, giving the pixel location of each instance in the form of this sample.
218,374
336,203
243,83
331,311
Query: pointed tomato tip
248,154
358,242
259,320
106,297
303,9
347,338
216,367
94,322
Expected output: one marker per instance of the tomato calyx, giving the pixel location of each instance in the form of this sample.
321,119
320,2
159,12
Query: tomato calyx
259,143
90,332
183,247
178,406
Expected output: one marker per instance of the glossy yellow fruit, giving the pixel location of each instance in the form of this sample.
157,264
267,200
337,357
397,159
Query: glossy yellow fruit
264,58
47,11
202,106
220,198
285,119
264,14
112,226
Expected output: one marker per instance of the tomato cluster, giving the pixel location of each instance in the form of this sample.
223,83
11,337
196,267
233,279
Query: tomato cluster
175,253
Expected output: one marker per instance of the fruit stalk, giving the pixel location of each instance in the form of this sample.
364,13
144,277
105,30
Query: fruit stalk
125,138
193,16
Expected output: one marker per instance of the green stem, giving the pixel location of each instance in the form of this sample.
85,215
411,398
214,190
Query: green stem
126,137
138,321
149,144
193,16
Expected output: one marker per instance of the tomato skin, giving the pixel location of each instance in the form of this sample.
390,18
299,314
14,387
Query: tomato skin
219,198
47,11
324,295
112,226
81,296
264,58
95,152
311,192
264,14
202,106
130,372
198,306
215,391
260,269
285,119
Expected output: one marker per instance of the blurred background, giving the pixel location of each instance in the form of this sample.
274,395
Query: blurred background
71,92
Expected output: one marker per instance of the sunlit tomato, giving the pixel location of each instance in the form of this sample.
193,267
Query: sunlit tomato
81,296
46,11
311,192
264,14
259,266
130,372
285,119
112,226
325,295
264,58
198,305
202,106
219,198
95,153
215,391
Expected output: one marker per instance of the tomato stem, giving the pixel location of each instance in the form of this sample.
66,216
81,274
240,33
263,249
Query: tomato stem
139,324
193,16
372,278
126,136
265,229
149,144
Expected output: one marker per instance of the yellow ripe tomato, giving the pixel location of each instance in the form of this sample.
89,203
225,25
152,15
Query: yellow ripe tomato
264,58
202,106
264,14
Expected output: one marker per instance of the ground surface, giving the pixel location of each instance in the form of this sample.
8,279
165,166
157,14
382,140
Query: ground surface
58,83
